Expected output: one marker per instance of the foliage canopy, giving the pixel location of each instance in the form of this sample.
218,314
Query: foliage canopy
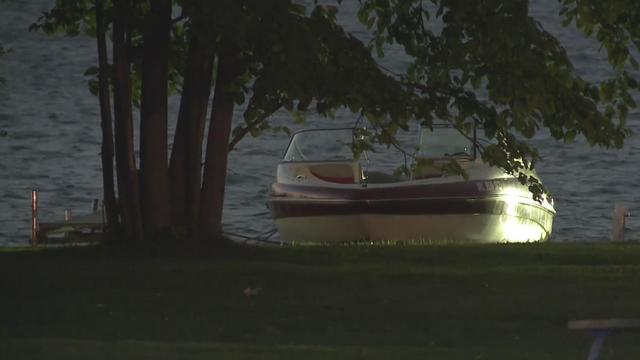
488,63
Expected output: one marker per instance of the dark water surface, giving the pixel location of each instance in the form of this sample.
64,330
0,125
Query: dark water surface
53,139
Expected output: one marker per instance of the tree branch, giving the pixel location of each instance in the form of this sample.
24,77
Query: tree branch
252,125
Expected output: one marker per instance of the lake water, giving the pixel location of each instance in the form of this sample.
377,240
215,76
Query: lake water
53,139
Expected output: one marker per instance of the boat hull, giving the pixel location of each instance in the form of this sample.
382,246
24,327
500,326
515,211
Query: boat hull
429,228
472,211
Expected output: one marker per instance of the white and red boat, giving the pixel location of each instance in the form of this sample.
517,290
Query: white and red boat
322,194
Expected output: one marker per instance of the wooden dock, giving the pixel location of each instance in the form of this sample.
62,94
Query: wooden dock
72,229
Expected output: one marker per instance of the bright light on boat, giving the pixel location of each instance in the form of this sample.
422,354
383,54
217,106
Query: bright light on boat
511,199
519,232
514,226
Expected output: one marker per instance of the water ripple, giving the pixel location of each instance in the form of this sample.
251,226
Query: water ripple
52,140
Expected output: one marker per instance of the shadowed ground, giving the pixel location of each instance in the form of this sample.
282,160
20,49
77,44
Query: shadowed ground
335,302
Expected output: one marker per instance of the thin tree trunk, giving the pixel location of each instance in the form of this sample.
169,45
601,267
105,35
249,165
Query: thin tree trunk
110,210
154,173
186,155
123,126
215,168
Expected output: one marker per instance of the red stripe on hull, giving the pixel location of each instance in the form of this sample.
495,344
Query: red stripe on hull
470,197
284,208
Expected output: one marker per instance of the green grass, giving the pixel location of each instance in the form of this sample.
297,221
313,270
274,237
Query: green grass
334,302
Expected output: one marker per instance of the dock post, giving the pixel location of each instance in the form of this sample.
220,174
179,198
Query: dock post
620,215
34,217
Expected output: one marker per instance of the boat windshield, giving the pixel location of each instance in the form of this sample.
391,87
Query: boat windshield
444,141
321,145
336,145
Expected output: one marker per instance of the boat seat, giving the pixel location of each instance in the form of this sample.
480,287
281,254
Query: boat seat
376,177
435,170
341,173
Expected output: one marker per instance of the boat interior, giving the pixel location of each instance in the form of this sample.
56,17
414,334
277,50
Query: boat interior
327,156
352,172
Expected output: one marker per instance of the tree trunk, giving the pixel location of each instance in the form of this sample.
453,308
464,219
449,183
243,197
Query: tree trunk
123,126
154,173
215,168
186,155
110,210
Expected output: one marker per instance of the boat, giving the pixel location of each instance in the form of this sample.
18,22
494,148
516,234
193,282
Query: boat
324,194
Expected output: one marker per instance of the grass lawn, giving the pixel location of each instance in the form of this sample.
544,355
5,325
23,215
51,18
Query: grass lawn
334,302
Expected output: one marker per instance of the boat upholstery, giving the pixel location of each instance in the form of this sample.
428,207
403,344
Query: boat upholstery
341,173
377,177
435,169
